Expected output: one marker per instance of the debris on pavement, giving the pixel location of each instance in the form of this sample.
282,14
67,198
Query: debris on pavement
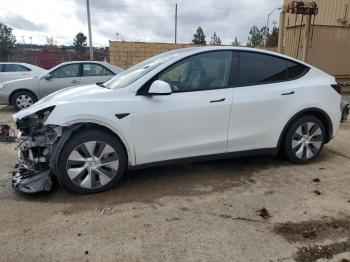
172,219
264,213
316,180
313,253
106,210
317,192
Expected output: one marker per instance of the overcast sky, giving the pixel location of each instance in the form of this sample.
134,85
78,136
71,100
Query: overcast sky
134,20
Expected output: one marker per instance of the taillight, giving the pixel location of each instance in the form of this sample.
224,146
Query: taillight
337,87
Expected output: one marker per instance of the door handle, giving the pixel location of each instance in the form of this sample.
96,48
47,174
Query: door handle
75,82
289,93
217,101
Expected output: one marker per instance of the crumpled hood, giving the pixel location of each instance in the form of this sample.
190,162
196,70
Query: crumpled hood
67,95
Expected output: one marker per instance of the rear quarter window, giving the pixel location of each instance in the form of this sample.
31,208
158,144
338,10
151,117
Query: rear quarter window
296,70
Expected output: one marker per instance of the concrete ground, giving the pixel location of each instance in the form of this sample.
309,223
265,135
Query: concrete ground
250,209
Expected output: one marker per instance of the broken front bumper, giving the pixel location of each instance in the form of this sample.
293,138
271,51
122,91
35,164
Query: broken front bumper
39,150
28,180
32,173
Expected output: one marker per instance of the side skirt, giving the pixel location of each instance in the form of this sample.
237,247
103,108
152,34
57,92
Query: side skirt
255,152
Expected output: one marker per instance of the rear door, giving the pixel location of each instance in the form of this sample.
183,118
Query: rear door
14,71
62,77
93,73
264,99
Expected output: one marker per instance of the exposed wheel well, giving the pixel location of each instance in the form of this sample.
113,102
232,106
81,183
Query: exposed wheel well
316,112
18,91
105,129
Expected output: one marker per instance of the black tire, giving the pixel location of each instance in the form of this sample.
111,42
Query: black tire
23,93
83,137
309,152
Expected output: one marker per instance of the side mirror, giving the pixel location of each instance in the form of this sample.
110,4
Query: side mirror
159,87
48,76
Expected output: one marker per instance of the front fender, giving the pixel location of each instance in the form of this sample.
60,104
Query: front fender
106,118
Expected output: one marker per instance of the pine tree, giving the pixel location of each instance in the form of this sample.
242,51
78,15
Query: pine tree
236,42
199,37
215,40
7,42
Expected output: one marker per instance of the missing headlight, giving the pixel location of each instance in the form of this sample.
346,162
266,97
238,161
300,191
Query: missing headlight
32,173
30,123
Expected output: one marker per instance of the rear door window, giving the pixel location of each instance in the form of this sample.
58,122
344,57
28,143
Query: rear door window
91,69
258,69
15,68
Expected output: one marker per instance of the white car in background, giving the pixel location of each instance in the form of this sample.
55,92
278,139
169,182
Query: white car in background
184,105
12,71
25,92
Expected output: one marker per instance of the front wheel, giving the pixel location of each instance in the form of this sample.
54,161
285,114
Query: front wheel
23,99
304,139
92,161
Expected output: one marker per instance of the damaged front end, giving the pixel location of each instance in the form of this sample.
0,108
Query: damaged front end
32,173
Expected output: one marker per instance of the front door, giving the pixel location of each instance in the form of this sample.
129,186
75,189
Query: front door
62,77
193,120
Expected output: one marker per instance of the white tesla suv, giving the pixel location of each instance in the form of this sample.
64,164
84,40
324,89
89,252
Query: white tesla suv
187,104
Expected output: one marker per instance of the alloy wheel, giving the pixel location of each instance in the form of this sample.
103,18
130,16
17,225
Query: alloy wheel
307,140
92,164
24,101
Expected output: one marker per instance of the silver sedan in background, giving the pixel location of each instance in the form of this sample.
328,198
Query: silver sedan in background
12,71
25,92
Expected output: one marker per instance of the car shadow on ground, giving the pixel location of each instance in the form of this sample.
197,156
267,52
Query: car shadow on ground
7,110
149,184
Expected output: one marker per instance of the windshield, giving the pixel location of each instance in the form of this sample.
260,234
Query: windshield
139,70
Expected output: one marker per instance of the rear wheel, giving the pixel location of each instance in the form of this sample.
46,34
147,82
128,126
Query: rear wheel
22,99
92,161
304,139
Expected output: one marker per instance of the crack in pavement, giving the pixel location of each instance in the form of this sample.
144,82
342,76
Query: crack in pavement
339,154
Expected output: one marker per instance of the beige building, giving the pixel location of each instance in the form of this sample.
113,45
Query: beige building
322,40
126,54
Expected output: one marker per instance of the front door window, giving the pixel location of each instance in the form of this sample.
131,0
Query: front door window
200,72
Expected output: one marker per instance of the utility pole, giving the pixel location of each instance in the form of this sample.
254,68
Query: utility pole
267,24
175,23
281,30
89,26
306,39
